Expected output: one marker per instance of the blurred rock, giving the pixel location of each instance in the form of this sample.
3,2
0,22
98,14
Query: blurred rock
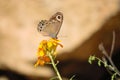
86,23
103,35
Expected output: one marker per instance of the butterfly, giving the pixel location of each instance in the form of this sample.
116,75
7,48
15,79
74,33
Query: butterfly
52,26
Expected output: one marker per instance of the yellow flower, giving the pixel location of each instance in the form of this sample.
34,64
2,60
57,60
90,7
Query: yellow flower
42,60
52,44
45,48
40,52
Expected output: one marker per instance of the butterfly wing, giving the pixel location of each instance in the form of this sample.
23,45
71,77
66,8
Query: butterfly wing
42,27
52,27
57,20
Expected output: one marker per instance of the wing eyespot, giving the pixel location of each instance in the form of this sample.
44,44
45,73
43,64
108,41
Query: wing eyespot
59,17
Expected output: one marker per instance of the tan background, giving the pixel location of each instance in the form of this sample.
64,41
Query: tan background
83,19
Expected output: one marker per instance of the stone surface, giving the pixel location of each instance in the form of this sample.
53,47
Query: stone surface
19,38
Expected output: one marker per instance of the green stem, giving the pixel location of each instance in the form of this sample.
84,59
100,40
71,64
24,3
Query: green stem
54,66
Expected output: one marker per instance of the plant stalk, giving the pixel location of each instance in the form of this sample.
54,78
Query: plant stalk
55,67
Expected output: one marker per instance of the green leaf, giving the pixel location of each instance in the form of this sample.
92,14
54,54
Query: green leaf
105,64
54,78
113,76
99,63
72,77
91,58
